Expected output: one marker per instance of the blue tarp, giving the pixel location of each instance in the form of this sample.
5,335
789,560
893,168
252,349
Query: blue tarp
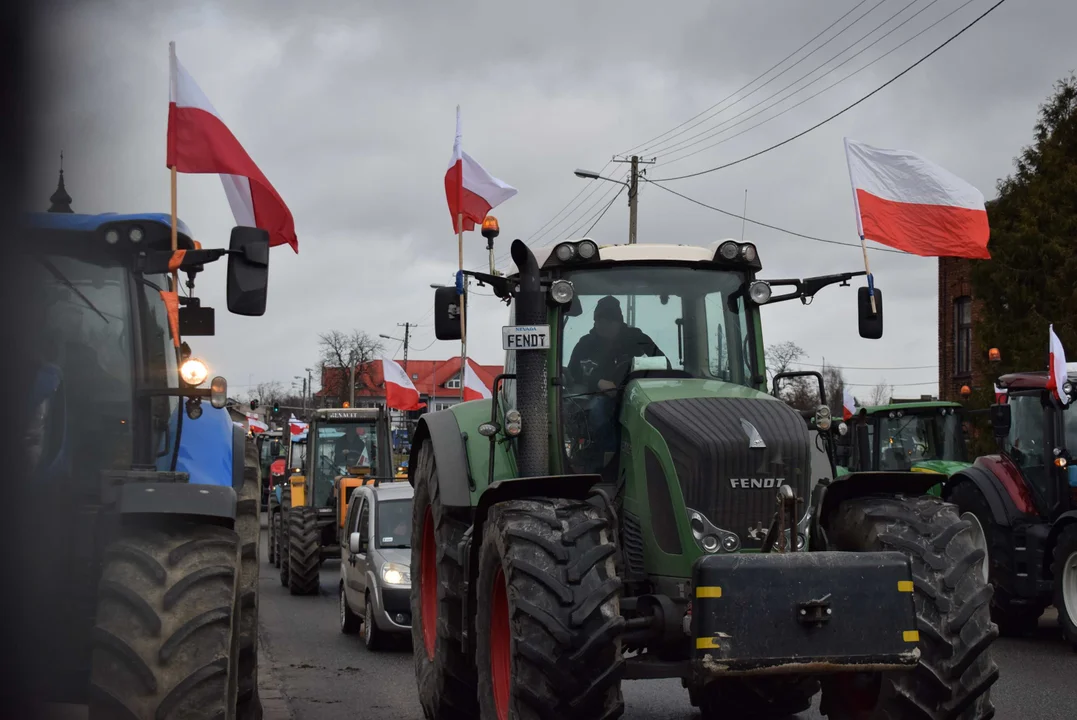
89,223
205,450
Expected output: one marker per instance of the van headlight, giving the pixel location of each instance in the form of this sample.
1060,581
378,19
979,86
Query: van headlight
395,574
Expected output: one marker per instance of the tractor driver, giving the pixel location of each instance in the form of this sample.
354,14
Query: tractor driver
599,364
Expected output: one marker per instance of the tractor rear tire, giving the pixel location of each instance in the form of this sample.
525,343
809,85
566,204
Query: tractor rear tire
445,676
166,635
956,671
548,626
1065,574
763,698
1014,615
304,551
271,533
249,527
282,535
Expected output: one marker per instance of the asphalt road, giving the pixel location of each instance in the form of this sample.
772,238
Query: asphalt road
309,670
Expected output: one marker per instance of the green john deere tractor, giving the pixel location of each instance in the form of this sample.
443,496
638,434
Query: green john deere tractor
632,504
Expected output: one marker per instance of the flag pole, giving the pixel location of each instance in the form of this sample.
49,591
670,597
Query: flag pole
175,238
867,269
463,293
860,226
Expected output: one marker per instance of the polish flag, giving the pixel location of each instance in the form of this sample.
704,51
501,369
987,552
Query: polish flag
297,429
909,203
400,394
200,142
848,404
1001,394
474,389
469,188
255,424
1056,374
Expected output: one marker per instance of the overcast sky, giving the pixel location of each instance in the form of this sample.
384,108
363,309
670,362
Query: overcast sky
348,108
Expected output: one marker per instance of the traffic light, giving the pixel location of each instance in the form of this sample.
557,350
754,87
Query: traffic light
276,407
254,404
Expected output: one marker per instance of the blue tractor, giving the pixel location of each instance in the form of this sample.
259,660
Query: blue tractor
152,492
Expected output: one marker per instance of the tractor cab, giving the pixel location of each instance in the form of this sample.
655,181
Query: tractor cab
271,457
918,436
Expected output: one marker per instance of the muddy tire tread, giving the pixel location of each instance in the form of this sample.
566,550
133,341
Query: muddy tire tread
304,551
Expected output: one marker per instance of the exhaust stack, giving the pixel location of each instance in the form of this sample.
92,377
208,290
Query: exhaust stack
532,381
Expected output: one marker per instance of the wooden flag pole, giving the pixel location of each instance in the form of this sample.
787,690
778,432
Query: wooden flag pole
463,297
175,238
871,280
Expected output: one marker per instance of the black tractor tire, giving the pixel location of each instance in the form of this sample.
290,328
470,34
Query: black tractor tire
953,678
761,699
1065,556
1015,615
166,637
373,637
304,551
282,534
548,626
349,621
445,676
249,527
271,532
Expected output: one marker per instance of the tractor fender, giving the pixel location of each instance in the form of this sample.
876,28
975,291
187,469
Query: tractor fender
239,443
861,484
210,502
1003,510
450,456
1061,523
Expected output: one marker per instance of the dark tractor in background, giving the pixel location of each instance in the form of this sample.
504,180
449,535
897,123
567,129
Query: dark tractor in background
145,602
679,522
1022,503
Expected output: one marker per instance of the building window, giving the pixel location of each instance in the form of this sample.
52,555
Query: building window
414,376
963,336
453,384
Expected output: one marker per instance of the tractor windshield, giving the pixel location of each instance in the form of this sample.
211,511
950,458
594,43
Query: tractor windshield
83,359
912,438
341,446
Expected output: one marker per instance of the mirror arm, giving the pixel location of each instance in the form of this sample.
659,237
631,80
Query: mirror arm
500,284
806,288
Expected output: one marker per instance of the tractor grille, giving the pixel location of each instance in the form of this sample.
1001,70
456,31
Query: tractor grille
720,475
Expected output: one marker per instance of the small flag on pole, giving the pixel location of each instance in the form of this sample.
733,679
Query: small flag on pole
1057,372
474,389
471,191
400,393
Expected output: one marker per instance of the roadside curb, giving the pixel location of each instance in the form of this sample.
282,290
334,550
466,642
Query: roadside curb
270,690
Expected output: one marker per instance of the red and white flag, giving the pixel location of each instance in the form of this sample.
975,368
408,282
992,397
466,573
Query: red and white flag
909,203
400,394
200,142
848,404
471,190
255,424
1056,373
474,389
1001,394
297,429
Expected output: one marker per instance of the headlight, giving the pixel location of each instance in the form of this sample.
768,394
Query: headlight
586,249
759,291
194,372
136,234
729,250
395,574
747,251
842,428
1068,388
561,291
112,236
822,418
565,252
513,423
218,392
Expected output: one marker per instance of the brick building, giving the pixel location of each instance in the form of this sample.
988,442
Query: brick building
958,310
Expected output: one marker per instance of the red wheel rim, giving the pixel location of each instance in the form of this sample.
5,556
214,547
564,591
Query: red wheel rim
500,646
428,593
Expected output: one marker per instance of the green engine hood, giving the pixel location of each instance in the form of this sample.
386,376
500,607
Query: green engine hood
641,393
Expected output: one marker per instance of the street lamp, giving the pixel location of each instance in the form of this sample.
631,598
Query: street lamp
390,337
592,175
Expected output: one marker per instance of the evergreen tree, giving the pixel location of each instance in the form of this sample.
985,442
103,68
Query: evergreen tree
1031,279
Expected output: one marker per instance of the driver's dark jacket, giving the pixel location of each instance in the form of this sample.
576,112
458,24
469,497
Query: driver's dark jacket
595,358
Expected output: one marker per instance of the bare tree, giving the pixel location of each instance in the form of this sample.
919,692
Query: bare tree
798,392
782,356
834,382
341,351
266,392
881,393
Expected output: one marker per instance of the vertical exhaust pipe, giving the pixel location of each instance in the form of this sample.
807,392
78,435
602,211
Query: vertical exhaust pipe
532,381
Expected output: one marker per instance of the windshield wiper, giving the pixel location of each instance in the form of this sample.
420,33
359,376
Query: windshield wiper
69,285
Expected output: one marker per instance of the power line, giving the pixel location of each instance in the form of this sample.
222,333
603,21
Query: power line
542,231
676,145
769,226
760,76
843,110
855,367
810,97
603,213
718,130
915,384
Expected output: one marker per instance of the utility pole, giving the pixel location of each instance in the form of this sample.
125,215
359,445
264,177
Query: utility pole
351,363
633,212
407,332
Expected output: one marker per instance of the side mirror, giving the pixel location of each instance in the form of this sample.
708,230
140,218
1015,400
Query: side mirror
355,542
248,271
1000,419
447,306
871,323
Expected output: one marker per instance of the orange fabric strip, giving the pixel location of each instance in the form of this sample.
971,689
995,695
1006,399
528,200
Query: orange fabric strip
176,260
172,307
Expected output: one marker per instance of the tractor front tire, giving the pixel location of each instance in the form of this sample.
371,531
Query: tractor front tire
282,535
166,634
271,533
304,551
1015,615
1065,574
953,678
249,527
445,676
548,624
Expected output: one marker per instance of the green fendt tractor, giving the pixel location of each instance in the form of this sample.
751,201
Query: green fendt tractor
346,447
632,504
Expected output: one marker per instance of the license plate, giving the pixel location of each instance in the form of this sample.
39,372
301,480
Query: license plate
525,337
